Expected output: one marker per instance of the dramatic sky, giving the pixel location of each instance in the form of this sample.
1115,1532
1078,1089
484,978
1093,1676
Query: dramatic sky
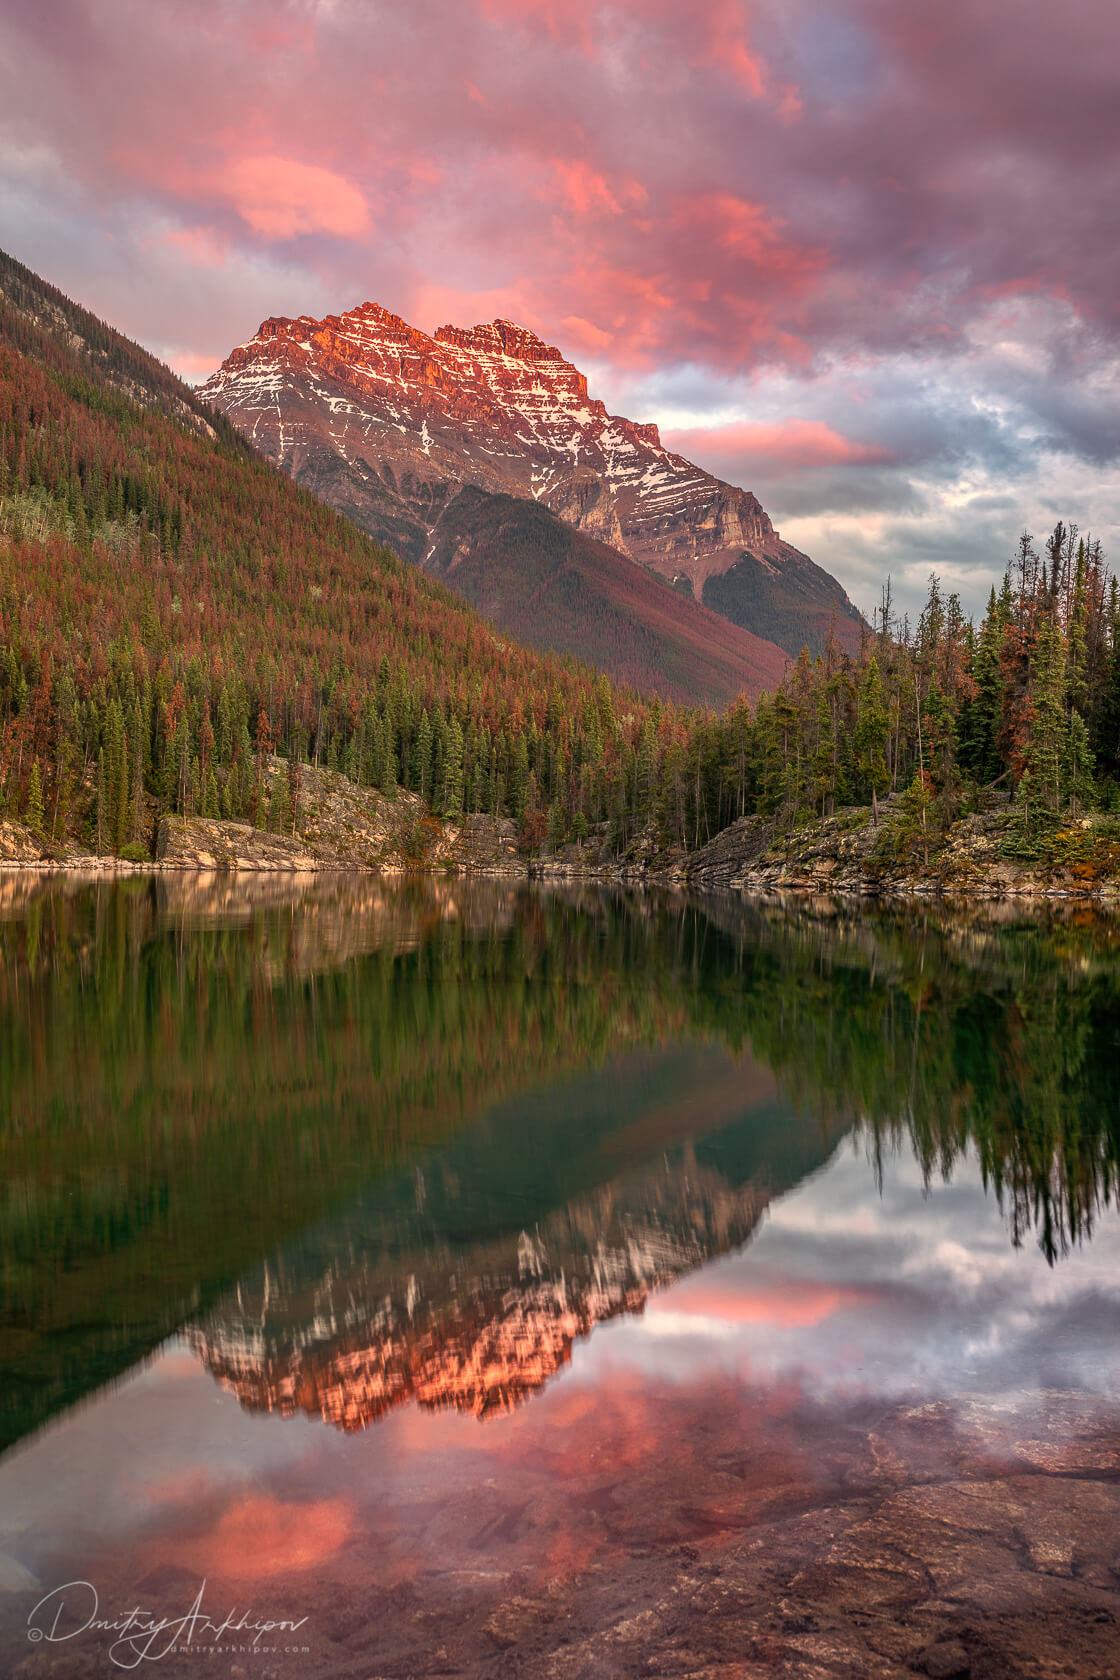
858,255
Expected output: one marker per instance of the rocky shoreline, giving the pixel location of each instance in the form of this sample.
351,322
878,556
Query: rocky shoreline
853,853
845,856
850,854
339,828
925,1539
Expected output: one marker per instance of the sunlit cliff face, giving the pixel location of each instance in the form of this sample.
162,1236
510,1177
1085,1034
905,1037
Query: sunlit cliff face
389,424
491,405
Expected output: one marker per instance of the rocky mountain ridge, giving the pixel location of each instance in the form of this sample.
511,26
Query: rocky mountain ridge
499,408
388,423
124,366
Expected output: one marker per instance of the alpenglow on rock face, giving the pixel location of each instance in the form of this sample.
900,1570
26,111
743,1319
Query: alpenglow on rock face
389,424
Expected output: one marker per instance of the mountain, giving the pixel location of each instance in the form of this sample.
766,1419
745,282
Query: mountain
173,609
553,587
44,325
390,425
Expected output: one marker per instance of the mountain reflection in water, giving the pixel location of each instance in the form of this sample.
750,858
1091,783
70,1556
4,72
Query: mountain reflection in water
776,1248
439,1288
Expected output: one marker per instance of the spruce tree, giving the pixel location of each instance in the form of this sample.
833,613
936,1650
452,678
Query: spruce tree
872,733
981,715
136,769
388,778
34,814
421,768
453,771
1048,751
518,788
123,801
555,829
1078,782
102,803
279,810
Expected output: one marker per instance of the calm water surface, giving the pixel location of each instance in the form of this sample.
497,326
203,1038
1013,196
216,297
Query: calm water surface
462,1280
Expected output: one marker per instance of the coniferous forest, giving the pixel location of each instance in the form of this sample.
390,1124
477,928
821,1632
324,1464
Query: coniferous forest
174,612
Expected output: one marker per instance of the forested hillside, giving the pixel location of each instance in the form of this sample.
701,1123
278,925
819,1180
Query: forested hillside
174,611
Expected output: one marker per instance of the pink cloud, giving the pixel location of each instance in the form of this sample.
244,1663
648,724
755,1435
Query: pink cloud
434,305
584,334
193,365
563,22
750,231
204,247
782,447
723,26
721,185
279,198
583,189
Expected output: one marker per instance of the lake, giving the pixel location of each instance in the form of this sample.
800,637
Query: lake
456,1278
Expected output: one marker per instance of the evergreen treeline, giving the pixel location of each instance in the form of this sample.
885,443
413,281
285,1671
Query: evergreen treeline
173,611
938,712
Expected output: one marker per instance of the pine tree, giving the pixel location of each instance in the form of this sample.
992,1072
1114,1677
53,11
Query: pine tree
421,770
518,788
1078,781
912,833
123,801
555,830
116,776
34,814
295,788
263,754
136,766
102,803
279,810
1049,731
981,716
1077,657
872,733
453,772
645,774
388,777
